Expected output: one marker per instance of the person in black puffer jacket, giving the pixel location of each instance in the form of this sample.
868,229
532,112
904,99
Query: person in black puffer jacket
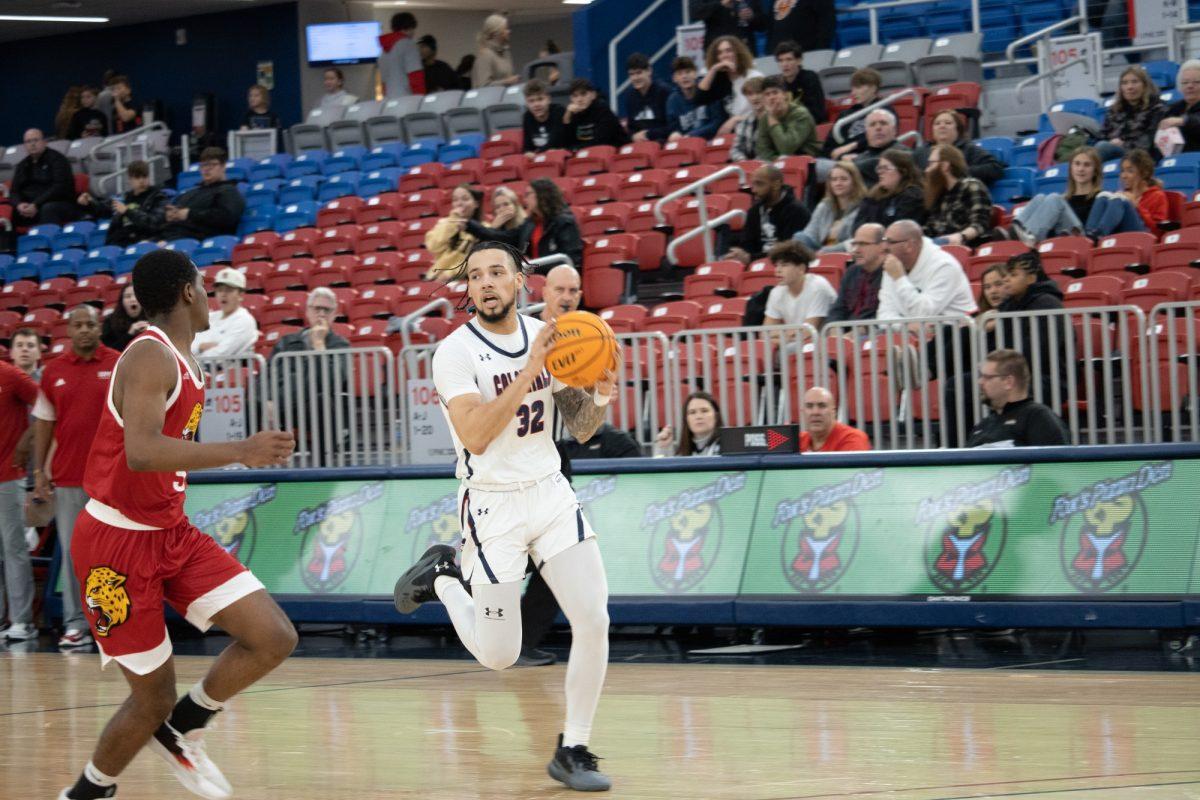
213,208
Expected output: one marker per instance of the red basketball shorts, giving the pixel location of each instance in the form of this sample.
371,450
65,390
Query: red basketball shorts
125,575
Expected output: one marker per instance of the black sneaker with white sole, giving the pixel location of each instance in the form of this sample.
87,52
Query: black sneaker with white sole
416,585
576,768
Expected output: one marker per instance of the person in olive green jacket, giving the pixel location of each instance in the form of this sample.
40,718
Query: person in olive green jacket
785,128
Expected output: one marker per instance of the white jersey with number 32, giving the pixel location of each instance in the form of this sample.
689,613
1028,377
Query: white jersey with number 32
474,361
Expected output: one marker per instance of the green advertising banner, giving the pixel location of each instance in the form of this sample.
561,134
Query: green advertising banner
1009,531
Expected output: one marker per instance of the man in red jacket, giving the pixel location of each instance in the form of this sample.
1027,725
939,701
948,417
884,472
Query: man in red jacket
824,434
17,393
400,66
74,389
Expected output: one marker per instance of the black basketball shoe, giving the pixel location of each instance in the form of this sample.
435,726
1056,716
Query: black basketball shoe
416,585
576,768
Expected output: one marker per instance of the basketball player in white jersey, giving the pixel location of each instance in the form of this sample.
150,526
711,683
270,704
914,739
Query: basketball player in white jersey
514,502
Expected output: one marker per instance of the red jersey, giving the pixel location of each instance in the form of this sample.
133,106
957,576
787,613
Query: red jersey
73,388
842,438
17,393
143,500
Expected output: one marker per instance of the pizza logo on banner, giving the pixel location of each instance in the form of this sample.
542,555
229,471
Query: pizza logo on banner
1107,526
444,527
233,524
966,529
332,539
821,531
593,490
687,532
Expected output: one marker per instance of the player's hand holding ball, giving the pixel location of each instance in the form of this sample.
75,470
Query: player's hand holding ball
267,448
540,348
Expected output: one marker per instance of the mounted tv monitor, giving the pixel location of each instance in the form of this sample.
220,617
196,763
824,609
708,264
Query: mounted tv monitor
342,43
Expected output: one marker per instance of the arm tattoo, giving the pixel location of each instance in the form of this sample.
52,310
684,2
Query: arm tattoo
580,413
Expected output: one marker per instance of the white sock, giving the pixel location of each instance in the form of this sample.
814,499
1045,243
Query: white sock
576,576
201,698
97,777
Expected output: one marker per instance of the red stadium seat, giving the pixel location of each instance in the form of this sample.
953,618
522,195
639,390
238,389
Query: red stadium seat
339,211
15,296
600,220
1094,290
590,160
300,242
333,271
757,276
602,286
549,164
88,290
1118,252
412,235
379,208
716,151
796,170
1067,255
422,176
994,253
504,169
255,247
624,318
634,156
375,301
288,274
338,240
469,170
595,189
709,279
642,185
671,317
384,235
726,312
41,319
1177,249
502,143
381,266
955,96
680,153
1145,292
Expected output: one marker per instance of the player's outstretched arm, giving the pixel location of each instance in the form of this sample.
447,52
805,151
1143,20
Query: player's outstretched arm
140,389
478,423
583,410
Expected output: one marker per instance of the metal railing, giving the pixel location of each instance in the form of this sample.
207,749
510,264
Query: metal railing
705,226
1010,52
234,397
649,398
137,144
1173,363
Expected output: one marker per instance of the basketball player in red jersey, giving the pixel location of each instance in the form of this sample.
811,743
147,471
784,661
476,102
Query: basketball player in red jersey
134,547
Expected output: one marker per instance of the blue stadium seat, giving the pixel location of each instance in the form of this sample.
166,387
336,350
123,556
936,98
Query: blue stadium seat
99,235
416,154
1052,180
1016,182
460,147
1111,172
300,188
62,264
296,215
188,179
1162,72
340,185
307,163
1076,106
260,218
37,238
270,167
348,159
999,146
944,22
214,250
100,259
1024,153
130,255
185,246
1180,173
379,181
27,267
74,234
1170,96
5,260
263,193
901,23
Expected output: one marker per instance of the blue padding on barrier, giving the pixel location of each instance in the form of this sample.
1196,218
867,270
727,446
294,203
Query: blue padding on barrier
1191,613
884,613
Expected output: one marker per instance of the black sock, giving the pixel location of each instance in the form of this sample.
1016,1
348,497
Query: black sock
189,715
86,790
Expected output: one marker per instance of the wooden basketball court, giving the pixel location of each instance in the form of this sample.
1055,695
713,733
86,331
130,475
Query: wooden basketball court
343,729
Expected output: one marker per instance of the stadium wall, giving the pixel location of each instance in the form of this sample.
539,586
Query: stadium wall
1058,537
598,23
220,55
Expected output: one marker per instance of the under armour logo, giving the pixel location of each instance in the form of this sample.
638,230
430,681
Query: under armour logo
441,566
493,613
485,356
481,512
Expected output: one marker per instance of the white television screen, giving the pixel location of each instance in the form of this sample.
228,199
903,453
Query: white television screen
342,43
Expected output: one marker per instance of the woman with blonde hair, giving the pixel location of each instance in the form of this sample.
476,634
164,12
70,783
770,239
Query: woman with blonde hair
1132,119
833,220
493,60
449,240
729,64
509,222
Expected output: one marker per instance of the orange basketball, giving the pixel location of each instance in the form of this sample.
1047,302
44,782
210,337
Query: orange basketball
584,347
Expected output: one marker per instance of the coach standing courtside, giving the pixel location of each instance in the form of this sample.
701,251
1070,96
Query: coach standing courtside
73,391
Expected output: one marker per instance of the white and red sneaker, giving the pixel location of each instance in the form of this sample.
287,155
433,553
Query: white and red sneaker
74,637
189,761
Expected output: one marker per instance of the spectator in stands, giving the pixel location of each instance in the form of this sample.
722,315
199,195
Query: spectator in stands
1133,118
730,63
320,312
259,116
880,137
138,215
213,208
87,119
822,432
587,122
701,434
647,102
960,208
1140,207
450,239
950,128
1018,421
554,227
1184,113
336,97
833,220
900,193
18,392
802,84
71,103
73,387
686,115
785,128
401,69
125,114
864,88
993,289
858,293
439,76
1049,215
745,134
232,330
126,321
920,279
809,23
509,223
740,18
43,187
799,298
543,120
561,293
466,65
493,61
775,216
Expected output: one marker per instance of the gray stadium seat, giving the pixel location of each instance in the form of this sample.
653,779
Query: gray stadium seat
426,121
78,152
482,98
386,128
767,65
835,79
540,67
951,59
512,94
322,116
306,136
59,145
817,60
503,116
348,131
894,63
464,119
